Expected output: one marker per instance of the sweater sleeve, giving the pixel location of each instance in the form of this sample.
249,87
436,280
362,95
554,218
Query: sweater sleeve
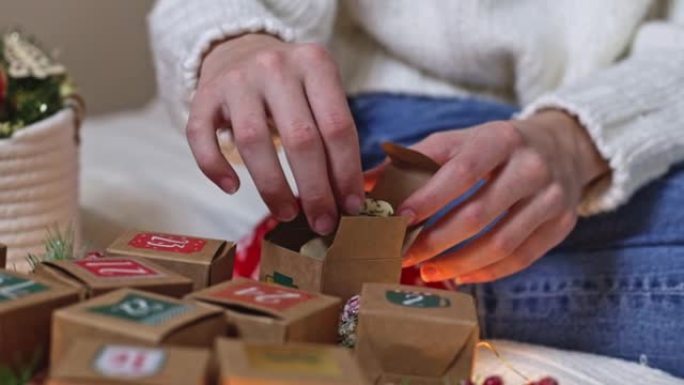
634,112
181,32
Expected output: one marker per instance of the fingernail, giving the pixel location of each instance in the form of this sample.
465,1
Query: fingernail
353,204
408,213
287,213
429,273
228,185
408,260
324,224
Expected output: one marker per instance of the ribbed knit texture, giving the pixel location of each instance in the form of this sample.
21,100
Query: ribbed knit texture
606,62
38,186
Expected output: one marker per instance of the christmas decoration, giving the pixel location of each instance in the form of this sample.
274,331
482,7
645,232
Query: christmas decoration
32,85
59,246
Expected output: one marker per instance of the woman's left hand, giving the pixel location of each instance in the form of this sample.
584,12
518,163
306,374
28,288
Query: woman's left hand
536,170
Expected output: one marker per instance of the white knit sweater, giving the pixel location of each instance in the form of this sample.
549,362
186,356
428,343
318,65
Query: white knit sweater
617,65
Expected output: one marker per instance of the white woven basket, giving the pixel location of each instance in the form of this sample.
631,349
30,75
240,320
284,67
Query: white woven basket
38,185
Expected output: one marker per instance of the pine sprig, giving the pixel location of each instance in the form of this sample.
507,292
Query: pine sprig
23,373
59,245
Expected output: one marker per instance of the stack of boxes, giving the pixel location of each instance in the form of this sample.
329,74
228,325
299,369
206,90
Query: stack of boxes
158,307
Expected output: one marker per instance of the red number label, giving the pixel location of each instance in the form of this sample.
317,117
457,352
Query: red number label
116,267
272,297
167,242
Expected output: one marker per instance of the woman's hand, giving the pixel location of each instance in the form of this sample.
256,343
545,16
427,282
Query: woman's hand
536,170
248,81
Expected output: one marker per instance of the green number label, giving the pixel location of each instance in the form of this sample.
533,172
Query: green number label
416,299
13,287
141,309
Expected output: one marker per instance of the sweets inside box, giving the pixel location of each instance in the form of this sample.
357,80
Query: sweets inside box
164,308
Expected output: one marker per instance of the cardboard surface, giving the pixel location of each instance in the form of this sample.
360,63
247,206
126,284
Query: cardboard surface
136,316
26,306
364,249
259,311
206,261
98,276
424,335
245,363
90,362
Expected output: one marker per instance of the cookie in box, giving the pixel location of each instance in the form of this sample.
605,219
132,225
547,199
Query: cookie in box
364,248
136,316
266,312
206,261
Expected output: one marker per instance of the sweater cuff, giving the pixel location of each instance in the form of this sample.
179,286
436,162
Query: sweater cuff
636,153
200,48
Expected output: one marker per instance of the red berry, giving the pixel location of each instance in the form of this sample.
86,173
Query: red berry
547,381
493,380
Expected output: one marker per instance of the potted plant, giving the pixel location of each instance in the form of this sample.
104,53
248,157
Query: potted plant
40,116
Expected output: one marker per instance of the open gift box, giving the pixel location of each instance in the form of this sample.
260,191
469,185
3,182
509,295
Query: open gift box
364,248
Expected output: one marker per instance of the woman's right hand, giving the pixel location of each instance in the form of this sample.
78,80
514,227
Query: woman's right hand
247,81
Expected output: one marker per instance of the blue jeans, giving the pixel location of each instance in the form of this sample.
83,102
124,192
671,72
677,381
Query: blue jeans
614,287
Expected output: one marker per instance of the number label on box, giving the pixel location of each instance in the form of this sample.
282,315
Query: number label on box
167,242
272,297
116,268
141,309
416,299
129,362
281,360
12,287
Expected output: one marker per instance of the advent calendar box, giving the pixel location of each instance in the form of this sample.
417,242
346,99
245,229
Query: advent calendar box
97,276
26,305
260,311
134,316
206,261
89,362
416,335
363,248
252,363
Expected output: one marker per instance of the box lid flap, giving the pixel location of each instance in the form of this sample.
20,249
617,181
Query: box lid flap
19,290
147,316
169,246
113,272
247,296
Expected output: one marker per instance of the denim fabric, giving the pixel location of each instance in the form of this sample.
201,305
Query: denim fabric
615,286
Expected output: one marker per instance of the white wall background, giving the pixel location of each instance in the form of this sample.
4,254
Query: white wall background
103,43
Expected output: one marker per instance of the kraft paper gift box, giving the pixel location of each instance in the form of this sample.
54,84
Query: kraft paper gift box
416,335
134,316
364,248
90,362
266,312
26,305
252,363
97,276
206,261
